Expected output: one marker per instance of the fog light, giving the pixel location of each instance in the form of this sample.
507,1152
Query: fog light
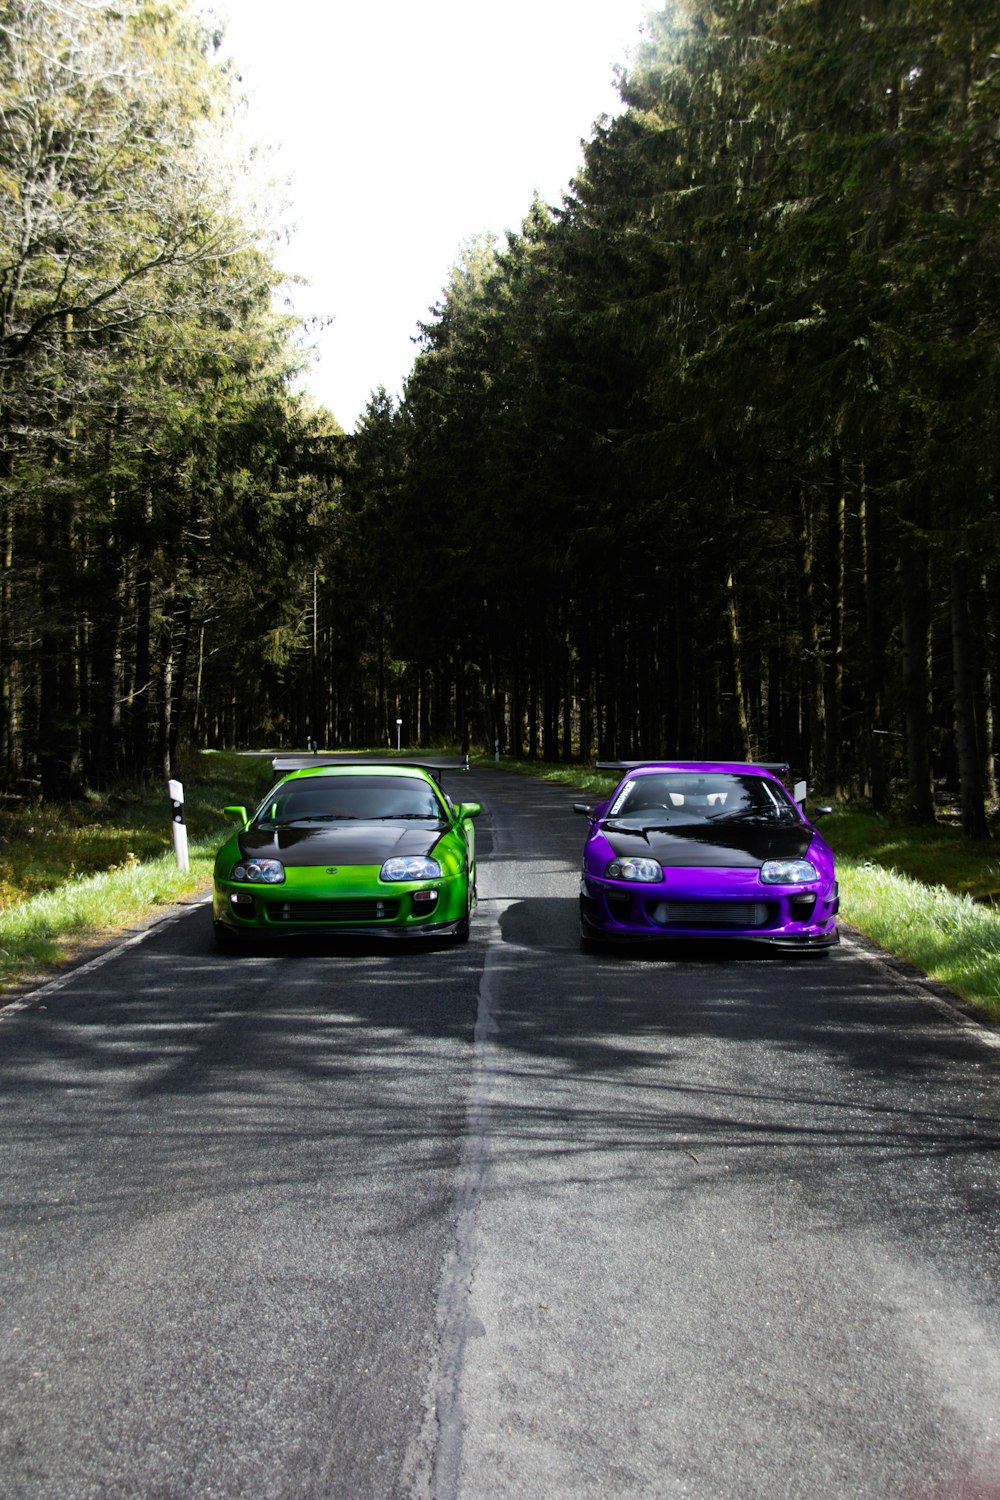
424,898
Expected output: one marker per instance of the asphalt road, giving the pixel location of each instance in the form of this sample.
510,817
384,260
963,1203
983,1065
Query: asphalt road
498,1220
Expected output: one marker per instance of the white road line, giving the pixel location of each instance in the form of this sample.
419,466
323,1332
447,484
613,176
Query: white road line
927,991
457,1321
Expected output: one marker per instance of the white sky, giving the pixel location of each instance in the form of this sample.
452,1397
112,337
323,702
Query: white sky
404,128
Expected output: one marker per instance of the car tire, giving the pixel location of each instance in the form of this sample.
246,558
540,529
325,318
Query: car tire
464,927
589,942
225,939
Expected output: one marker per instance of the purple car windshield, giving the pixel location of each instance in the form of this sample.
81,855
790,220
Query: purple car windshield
676,797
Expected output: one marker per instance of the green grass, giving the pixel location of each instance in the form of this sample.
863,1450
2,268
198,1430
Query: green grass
69,877
927,894
945,933
938,855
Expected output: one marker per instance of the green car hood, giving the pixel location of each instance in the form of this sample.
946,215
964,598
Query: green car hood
340,843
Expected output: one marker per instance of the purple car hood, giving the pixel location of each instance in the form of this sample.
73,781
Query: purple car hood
339,843
731,845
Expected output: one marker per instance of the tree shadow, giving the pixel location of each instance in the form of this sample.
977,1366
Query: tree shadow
318,1060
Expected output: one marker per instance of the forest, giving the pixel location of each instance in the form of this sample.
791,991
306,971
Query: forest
701,460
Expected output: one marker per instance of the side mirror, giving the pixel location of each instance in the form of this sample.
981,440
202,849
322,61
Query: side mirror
821,812
582,807
235,814
467,810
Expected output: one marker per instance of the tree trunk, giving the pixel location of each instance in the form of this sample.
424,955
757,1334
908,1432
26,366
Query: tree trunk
973,802
812,667
732,622
871,518
835,670
8,671
916,693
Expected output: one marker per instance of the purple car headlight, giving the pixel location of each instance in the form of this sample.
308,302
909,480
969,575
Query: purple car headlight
259,871
788,872
646,871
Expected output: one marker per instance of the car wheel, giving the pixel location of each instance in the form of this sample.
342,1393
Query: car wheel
225,939
465,925
589,942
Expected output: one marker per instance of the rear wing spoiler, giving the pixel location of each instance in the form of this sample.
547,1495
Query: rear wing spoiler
779,767
434,765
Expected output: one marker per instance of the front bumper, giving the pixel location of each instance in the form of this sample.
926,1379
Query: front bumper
691,904
355,905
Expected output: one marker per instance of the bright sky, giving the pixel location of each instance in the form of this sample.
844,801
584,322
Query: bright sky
404,128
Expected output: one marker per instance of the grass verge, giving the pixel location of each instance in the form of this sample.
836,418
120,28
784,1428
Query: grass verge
71,877
946,934
927,894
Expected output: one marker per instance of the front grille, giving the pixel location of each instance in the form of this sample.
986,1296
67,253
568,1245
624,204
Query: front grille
359,909
690,914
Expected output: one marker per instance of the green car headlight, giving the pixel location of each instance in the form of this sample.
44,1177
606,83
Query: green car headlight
788,871
417,867
647,871
259,871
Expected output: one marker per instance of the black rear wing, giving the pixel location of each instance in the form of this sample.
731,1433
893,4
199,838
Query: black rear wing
779,767
434,765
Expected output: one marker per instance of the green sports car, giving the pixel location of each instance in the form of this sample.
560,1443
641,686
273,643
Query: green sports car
347,845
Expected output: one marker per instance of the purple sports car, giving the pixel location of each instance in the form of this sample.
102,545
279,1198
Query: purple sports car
706,849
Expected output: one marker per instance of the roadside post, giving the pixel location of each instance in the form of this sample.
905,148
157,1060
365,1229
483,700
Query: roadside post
399,735
175,791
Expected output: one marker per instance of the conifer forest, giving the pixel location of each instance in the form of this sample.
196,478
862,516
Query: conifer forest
701,460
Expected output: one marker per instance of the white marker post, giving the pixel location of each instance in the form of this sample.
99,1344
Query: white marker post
175,791
399,735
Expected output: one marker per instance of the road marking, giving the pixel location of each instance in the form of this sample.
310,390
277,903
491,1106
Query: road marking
928,991
457,1321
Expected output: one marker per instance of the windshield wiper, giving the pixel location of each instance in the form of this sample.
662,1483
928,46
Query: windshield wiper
748,815
406,817
616,825
311,818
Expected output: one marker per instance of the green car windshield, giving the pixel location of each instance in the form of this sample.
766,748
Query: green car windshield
323,799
